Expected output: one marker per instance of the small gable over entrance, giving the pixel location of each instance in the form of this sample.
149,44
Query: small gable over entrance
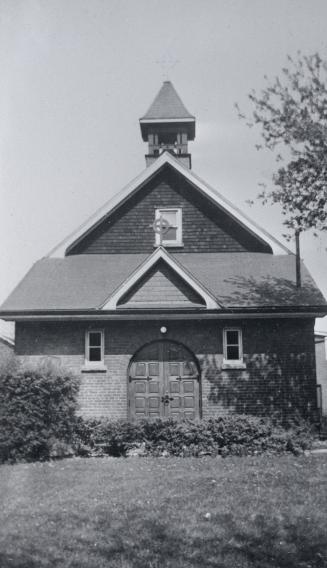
161,286
161,282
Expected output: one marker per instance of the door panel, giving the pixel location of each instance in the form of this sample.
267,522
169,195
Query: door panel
164,382
145,388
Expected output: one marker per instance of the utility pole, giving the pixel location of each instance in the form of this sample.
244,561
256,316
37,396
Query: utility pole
297,258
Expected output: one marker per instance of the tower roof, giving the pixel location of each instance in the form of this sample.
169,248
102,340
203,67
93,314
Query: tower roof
167,108
167,104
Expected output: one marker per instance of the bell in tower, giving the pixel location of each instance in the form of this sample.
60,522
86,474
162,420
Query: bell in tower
168,126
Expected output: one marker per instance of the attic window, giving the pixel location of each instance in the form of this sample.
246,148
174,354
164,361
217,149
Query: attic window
173,236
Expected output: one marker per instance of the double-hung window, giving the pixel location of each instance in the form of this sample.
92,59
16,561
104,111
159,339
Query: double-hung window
172,228
94,348
233,347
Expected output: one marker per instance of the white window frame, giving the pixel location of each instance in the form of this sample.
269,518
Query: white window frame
233,362
179,233
94,364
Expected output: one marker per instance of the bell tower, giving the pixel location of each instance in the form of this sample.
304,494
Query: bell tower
168,127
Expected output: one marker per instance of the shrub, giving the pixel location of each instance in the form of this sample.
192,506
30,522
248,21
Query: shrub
38,421
105,437
37,411
231,435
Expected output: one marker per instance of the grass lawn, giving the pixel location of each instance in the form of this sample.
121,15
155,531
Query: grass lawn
166,512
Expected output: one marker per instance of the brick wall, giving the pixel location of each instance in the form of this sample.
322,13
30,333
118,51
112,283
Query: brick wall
279,356
205,227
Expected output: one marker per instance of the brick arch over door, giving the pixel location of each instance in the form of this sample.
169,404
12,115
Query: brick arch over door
164,382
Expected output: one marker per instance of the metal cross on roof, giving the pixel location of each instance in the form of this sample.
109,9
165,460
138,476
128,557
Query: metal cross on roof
167,62
161,226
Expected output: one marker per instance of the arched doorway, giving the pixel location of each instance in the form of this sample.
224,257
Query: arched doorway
164,382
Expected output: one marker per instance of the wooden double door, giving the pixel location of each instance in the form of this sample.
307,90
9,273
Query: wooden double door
163,383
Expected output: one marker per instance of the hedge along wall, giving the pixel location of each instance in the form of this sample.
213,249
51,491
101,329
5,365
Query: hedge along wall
279,356
37,410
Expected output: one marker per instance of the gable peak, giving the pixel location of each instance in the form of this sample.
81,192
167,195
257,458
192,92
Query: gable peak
160,254
166,159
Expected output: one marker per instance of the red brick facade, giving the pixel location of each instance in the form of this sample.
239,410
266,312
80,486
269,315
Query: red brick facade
205,227
279,357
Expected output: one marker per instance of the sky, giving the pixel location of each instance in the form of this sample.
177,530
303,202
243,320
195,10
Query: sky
76,76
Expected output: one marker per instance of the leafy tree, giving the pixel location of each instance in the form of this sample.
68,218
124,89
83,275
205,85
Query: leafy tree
292,113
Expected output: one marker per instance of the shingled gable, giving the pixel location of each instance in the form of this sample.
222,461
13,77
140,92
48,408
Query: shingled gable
160,255
148,174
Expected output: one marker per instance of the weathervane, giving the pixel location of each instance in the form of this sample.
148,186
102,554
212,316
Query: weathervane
161,226
167,62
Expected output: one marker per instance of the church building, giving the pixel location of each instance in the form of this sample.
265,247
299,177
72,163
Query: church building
169,301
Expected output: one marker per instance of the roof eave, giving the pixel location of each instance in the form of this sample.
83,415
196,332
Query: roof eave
168,120
224,313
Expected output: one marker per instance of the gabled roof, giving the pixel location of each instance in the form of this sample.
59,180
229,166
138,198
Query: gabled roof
167,160
237,282
80,282
160,254
167,105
